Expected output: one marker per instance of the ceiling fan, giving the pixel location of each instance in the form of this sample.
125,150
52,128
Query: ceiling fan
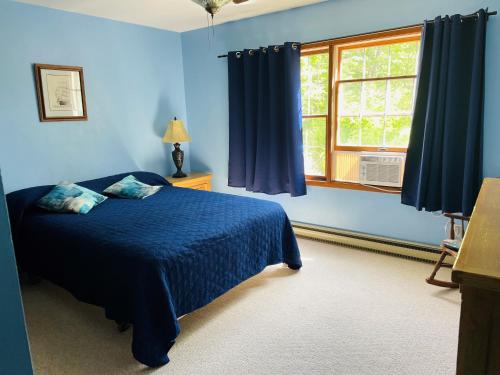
213,6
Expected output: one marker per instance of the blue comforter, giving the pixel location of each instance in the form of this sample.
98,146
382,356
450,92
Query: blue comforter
148,262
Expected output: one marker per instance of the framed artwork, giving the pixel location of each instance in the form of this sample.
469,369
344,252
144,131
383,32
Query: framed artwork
61,93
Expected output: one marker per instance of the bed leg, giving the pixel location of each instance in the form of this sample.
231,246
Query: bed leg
122,326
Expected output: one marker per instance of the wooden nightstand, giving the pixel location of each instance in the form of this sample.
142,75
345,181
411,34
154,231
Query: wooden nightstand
197,181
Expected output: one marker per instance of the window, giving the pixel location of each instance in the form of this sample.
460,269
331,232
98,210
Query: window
357,96
314,86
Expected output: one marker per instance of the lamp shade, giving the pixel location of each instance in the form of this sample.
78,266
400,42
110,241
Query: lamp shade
176,132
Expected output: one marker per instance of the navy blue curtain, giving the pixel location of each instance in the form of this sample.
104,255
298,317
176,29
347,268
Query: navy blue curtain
444,161
265,120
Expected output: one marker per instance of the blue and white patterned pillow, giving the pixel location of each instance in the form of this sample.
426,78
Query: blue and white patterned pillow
68,197
131,188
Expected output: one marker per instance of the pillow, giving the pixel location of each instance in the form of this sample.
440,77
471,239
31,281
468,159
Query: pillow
68,197
100,184
131,188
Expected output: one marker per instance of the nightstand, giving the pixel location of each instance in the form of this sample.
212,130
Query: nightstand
197,181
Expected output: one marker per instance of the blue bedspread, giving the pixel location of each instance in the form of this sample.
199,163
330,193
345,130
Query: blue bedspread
147,262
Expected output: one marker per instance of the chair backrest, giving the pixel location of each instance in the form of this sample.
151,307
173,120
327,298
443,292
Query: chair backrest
464,221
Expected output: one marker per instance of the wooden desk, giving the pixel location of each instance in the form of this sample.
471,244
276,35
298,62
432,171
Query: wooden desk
477,270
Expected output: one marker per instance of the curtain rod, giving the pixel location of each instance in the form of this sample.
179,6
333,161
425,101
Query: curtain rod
492,13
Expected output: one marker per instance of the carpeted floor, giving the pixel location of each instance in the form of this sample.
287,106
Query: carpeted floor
346,312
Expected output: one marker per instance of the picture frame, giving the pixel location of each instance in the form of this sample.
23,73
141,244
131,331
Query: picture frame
61,93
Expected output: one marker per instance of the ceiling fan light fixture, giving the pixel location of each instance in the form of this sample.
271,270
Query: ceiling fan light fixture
212,6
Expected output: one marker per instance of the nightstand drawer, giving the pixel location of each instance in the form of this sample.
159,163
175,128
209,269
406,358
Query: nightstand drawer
195,181
200,187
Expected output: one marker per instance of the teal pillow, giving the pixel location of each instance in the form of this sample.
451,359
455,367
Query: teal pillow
131,188
68,197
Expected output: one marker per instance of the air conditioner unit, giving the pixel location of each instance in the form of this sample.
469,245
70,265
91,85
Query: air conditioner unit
383,169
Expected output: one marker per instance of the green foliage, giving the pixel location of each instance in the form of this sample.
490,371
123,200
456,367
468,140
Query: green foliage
401,96
372,131
314,84
377,113
374,97
349,131
388,60
387,131
404,58
381,118
314,138
352,64
349,100
377,61
370,113
397,130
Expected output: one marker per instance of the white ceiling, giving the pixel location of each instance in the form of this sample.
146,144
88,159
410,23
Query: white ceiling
175,15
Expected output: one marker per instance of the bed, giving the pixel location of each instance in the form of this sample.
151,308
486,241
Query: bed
148,262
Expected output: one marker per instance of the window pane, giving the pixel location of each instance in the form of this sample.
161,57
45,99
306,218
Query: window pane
397,131
404,58
314,84
348,131
349,103
377,61
372,131
314,138
351,66
401,96
374,93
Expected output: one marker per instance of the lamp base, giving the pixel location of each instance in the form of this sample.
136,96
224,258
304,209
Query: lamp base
179,174
178,156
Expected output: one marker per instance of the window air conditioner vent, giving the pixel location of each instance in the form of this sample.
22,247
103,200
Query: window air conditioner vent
383,169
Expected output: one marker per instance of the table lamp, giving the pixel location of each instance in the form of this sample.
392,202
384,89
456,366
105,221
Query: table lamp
175,133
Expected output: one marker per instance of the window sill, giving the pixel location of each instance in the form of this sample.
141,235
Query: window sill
353,186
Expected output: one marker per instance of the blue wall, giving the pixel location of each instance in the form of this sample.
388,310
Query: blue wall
14,350
134,85
207,104
137,78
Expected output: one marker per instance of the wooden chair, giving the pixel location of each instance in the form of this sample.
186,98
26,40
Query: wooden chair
450,246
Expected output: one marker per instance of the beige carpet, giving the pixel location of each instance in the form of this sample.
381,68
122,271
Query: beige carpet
346,312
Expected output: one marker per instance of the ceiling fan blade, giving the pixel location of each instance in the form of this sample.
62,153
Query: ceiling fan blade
239,1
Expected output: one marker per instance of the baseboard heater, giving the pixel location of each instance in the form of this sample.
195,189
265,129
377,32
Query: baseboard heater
406,249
